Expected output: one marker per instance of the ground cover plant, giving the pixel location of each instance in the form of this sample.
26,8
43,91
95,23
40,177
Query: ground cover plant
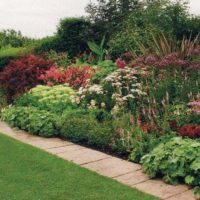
177,160
32,120
53,177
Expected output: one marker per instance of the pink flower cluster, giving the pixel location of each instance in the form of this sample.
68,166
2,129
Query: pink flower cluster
195,106
173,59
121,64
195,51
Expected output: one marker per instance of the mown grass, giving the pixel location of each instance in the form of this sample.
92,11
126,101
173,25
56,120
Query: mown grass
27,173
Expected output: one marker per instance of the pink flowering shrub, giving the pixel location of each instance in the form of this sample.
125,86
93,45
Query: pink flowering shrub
175,59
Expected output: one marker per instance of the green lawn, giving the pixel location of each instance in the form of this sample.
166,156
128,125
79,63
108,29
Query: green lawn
27,173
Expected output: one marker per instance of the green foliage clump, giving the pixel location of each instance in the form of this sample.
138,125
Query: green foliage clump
71,37
182,115
105,68
143,143
31,119
177,160
98,49
73,34
3,102
61,59
82,127
55,99
46,44
135,139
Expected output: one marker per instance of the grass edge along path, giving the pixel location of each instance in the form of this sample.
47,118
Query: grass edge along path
28,173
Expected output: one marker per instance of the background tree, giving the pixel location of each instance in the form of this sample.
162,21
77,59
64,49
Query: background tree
111,13
167,17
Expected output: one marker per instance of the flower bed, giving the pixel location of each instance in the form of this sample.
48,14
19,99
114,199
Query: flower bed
132,111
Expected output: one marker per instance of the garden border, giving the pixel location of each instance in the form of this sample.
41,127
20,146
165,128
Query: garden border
123,171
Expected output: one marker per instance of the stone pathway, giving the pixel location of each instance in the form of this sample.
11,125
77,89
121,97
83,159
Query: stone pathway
121,170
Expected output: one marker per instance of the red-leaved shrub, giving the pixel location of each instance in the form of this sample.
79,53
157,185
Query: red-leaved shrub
148,128
53,76
191,131
22,74
76,77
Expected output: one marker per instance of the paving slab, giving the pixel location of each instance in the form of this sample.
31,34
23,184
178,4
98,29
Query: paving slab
133,178
112,167
188,195
64,149
161,189
83,156
6,129
42,143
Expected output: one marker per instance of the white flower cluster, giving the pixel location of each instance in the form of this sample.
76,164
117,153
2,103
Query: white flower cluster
125,85
89,92
122,87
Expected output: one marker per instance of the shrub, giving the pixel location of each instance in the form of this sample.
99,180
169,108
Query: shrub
166,87
119,90
73,34
191,131
53,76
77,77
74,76
104,69
75,129
100,74
55,99
100,134
134,137
177,160
32,120
184,120
61,59
22,74
79,126
46,44
143,143
2,100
